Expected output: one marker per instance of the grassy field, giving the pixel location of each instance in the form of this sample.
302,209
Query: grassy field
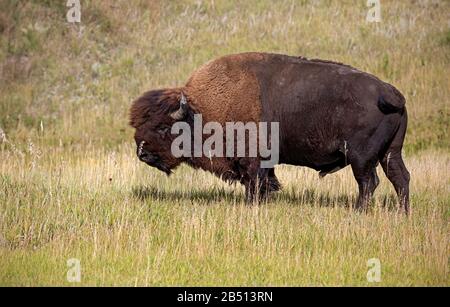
71,186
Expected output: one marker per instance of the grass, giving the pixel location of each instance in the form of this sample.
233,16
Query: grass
70,186
129,225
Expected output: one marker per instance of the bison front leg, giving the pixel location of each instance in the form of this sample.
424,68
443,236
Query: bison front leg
396,171
260,184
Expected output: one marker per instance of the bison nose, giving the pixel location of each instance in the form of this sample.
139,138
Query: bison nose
147,157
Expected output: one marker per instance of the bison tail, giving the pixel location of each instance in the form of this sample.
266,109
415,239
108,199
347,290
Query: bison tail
387,107
391,101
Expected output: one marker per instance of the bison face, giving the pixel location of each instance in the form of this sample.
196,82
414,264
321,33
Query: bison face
153,115
153,147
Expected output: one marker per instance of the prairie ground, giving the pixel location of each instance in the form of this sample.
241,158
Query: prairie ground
71,186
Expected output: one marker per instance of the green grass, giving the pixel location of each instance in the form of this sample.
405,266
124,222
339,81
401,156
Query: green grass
71,187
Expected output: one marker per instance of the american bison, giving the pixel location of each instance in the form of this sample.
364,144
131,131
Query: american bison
330,115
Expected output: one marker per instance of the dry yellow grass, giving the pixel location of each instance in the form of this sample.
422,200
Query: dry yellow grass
130,225
78,191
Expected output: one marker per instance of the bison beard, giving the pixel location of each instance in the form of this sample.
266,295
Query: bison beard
330,115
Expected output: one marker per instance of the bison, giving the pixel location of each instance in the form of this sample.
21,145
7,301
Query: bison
330,115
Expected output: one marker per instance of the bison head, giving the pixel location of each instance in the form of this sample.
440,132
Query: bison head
152,115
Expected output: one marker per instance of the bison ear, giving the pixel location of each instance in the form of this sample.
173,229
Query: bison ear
182,110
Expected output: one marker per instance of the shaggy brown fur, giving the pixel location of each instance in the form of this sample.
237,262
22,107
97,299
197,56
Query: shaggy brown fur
226,90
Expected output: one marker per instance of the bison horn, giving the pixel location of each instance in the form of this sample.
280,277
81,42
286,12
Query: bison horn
181,112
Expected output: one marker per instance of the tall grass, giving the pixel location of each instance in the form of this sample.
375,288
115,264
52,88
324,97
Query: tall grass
70,186
129,225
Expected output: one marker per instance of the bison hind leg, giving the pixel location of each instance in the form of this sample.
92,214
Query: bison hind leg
367,183
396,172
394,166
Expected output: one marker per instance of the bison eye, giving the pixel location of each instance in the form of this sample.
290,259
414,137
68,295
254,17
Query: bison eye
163,130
